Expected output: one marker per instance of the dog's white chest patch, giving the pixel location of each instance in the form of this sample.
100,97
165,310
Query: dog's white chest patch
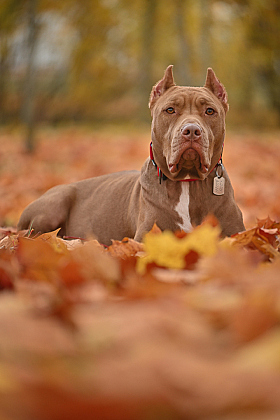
182,208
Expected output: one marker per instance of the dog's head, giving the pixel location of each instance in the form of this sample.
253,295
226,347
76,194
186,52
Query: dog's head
188,126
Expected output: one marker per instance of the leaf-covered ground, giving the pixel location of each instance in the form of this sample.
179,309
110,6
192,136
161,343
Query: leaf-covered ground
181,326
66,155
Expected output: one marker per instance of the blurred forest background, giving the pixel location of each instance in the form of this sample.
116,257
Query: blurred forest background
96,60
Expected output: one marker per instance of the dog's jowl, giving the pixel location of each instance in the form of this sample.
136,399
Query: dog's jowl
181,182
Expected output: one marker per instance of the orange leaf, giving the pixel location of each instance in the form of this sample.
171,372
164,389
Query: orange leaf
125,248
211,220
256,315
155,229
191,259
244,238
269,236
264,238
95,263
38,259
268,223
70,272
264,247
6,280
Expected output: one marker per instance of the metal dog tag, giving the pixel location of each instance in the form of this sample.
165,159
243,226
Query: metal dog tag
219,180
219,185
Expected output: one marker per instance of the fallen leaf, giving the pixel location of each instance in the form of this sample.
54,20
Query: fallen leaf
125,248
39,260
261,354
6,279
70,272
96,263
155,229
167,250
268,224
256,315
264,237
58,244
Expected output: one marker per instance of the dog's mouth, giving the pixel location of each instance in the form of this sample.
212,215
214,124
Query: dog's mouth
192,161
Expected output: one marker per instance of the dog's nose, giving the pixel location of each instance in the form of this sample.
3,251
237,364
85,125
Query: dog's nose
191,131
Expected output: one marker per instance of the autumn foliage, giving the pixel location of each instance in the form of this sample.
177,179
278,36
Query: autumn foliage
179,326
121,329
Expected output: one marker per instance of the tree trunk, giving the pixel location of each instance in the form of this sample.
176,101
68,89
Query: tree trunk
3,75
147,55
183,65
205,37
29,85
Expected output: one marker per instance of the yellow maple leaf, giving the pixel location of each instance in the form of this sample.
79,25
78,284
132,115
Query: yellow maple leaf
167,250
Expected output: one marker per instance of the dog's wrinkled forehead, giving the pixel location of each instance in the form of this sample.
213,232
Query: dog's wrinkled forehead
190,99
166,87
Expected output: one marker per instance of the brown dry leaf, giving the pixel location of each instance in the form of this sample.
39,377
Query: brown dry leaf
244,238
263,245
73,243
155,229
256,315
51,238
6,277
134,285
176,276
264,237
70,272
261,354
129,360
211,220
9,242
231,267
126,248
268,224
47,258
38,259
244,295
96,263
9,231
9,267
270,236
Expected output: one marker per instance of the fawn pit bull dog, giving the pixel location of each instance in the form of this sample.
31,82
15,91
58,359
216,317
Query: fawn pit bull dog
181,182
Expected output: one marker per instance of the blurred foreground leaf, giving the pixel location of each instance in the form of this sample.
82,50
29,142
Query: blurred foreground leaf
170,251
83,332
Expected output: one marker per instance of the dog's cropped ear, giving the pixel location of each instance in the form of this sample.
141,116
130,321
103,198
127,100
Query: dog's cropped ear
165,83
212,83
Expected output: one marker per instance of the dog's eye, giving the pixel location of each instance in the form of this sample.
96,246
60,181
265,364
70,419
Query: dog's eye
210,111
170,110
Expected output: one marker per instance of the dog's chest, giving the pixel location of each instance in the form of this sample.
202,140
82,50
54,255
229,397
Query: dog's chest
182,207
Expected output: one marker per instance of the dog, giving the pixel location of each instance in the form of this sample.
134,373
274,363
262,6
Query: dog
181,182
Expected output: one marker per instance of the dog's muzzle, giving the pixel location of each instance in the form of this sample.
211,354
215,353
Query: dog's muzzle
192,153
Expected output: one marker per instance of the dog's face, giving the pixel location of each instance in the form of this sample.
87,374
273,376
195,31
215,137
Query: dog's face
188,126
